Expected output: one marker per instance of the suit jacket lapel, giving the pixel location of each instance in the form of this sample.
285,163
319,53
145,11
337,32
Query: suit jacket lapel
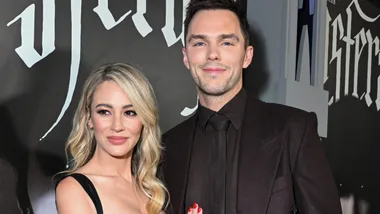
179,162
259,158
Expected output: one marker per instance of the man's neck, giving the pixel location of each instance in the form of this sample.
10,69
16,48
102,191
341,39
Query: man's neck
215,103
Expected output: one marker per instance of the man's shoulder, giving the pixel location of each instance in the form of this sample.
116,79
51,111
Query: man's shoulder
277,113
292,121
282,110
280,113
181,128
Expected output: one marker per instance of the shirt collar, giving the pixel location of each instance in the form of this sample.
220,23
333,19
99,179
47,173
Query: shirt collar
234,110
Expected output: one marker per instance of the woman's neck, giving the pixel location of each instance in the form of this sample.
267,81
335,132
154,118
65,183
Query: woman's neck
107,165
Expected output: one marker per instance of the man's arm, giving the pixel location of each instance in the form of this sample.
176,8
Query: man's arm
315,189
169,209
160,174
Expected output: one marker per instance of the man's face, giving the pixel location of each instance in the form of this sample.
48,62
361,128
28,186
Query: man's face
215,52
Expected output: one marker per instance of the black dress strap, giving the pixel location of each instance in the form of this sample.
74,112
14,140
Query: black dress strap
89,187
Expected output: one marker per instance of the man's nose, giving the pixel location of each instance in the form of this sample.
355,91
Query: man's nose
213,53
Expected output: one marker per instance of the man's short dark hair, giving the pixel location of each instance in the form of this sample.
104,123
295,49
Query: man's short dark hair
195,6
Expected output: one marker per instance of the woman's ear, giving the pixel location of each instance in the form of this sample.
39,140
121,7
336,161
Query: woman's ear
90,124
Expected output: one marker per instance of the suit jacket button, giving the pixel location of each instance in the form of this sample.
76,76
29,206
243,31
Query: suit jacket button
294,209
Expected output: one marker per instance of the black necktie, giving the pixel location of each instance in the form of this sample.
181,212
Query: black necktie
220,123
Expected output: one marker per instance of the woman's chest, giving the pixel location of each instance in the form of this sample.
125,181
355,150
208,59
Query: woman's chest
122,199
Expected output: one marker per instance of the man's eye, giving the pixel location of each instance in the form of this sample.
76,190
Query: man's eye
199,44
227,43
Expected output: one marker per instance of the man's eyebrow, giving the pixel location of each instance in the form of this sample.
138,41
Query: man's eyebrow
221,37
196,36
229,36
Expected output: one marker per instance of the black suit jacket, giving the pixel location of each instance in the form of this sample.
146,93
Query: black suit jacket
281,163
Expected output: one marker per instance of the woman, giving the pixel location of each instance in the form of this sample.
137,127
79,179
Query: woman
115,147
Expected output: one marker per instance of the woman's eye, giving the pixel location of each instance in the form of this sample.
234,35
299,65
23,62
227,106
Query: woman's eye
130,113
103,112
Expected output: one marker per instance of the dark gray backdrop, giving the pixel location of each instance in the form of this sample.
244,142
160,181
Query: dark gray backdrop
32,97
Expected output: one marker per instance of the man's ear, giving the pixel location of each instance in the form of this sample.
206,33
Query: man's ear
248,56
185,59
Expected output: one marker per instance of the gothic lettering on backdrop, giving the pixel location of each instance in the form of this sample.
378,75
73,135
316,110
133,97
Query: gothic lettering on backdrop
30,56
355,43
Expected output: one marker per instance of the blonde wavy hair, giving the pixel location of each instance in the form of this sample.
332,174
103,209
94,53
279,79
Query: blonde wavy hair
147,152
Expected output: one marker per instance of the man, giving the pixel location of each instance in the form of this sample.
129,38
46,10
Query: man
267,158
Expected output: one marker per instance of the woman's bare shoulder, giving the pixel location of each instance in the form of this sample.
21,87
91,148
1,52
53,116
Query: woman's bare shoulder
68,185
71,197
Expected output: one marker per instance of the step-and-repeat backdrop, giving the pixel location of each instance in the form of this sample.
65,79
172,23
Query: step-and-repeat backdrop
353,82
47,49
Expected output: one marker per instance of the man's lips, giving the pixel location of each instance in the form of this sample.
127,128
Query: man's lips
213,69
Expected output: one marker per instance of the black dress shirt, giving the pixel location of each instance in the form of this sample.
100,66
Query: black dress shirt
201,174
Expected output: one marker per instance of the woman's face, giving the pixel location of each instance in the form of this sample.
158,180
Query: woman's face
116,126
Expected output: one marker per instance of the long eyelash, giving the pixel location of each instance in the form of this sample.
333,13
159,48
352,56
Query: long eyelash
134,113
102,111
